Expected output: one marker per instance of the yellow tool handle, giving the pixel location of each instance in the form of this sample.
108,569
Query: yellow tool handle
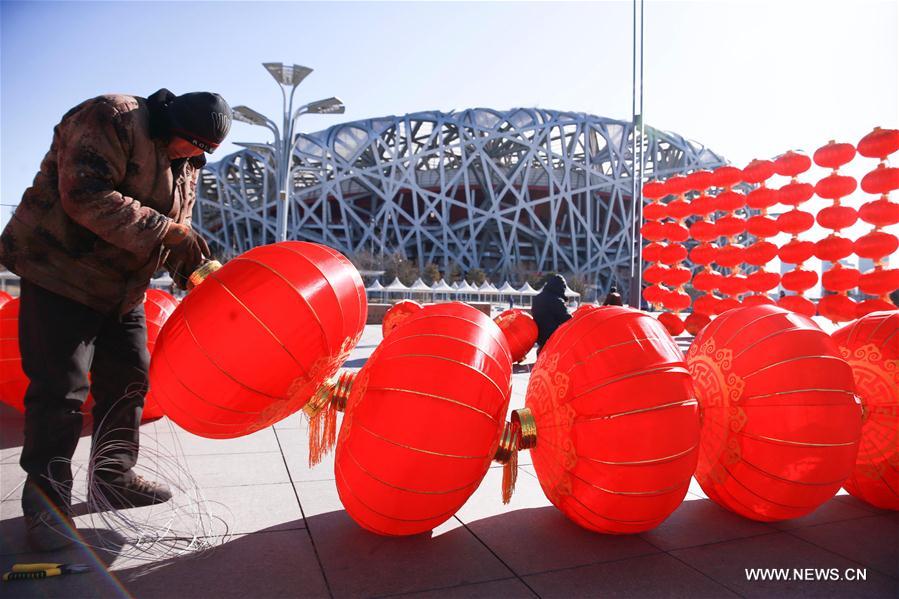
10,576
33,567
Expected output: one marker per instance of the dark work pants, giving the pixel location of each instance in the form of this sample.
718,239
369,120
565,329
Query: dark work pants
61,341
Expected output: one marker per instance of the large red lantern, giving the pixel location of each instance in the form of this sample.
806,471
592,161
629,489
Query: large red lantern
158,306
833,248
253,342
881,180
837,307
520,330
672,323
880,143
834,155
423,420
876,244
880,213
792,164
615,427
871,346
762,226
398,314
13,382
780,425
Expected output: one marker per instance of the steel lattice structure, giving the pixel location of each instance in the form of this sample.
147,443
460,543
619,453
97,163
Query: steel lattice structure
525,190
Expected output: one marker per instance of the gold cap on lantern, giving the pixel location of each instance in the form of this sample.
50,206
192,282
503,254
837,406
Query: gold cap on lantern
519,433
204,270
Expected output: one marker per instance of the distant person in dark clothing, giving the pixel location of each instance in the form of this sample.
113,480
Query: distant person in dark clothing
613,298
549,309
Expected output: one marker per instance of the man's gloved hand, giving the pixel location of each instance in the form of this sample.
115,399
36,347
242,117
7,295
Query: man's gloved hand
187,250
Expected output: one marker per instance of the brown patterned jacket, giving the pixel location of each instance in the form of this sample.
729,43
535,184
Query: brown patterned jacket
90,227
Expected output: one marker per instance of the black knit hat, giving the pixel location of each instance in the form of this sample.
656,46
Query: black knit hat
202,118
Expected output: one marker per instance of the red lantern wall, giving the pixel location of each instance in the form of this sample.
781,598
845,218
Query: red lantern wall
251,344
780,425
397,314
423,420
617,426
13,382
520,330
871,346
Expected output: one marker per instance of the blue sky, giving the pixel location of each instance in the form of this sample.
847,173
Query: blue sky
747,78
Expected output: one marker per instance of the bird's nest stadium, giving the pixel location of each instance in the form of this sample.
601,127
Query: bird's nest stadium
510,192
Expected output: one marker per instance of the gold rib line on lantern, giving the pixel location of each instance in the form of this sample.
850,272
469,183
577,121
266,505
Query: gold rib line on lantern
887,338
605,529
405,489
792,391
797,359
257,319
882,322
608,347
491,381
360,289
456,339
655,370
749,324
198,396
334,257
432,396
669,458
321,326
559,340
769,336
449,316
664,406
721,488
674,487
837,482
796,443
203,351
349,487
416,449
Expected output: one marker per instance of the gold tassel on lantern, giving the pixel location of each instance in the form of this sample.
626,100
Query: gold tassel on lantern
322,411
520,433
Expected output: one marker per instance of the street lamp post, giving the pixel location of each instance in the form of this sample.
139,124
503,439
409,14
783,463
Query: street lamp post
287,76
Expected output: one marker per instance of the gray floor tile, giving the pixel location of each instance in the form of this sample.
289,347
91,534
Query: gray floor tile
295,446
238,469
699,522
263,564
648,576
510,588
727,562
530,535
184,443
360,563
873,541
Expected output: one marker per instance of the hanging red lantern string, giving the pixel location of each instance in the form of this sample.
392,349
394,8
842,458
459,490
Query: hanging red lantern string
760,252
882,212
703,254
870,347
613,434
793,222
677,300
838,307
780,425
654,231
729,226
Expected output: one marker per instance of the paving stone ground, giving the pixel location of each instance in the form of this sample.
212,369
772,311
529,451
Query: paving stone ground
289,536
